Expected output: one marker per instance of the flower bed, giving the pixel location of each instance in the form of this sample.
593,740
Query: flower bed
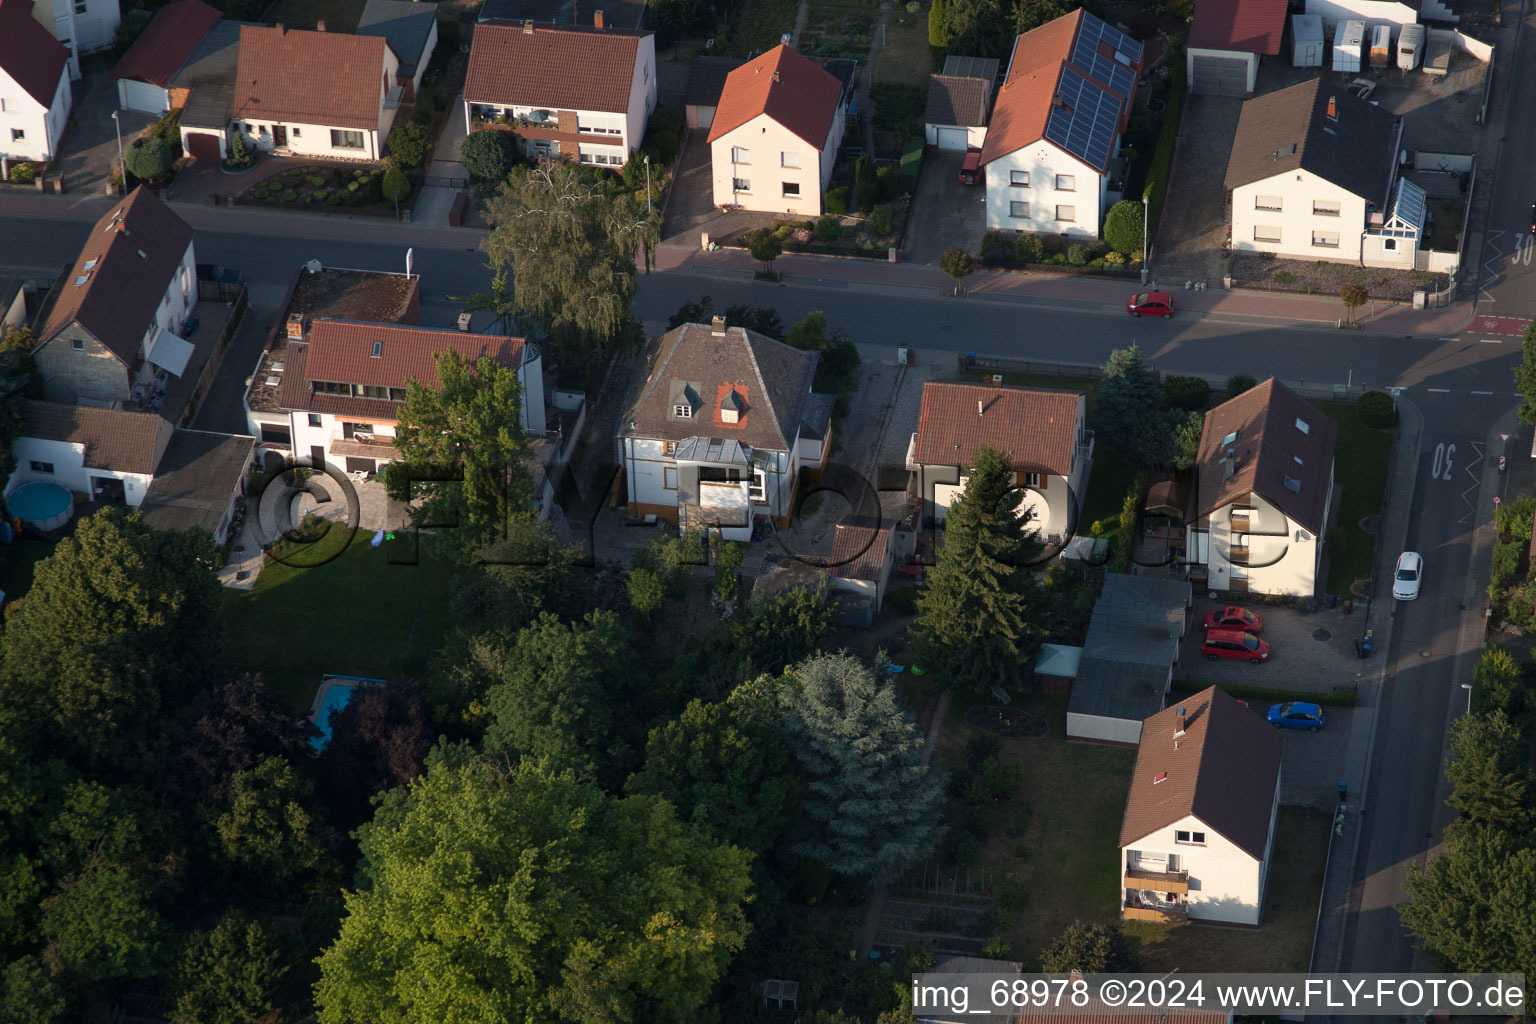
323,188
1321,277
853,237
1003,721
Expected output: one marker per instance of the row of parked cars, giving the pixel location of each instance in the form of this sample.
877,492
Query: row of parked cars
1232,632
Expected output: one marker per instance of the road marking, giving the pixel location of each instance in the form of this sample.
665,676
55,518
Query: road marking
1439,391
1508,326
1467,469
1450,339
1482,392
1493,341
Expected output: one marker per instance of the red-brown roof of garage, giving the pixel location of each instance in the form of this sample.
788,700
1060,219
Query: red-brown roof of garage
322,78
561,67
341,351
166,43
1036,427
788,87
1248,26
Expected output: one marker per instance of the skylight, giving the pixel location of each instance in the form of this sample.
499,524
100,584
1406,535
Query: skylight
88,264
82,279
1293,485
1302,426
378,349
1229,438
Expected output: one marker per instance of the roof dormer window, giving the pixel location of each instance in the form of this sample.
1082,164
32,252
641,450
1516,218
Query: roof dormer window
378,350
683,412
1229,438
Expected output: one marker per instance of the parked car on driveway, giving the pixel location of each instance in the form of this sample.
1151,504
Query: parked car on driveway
1363,88
1233,617
1234,643
1151,304
1297,715
1409,574
970,170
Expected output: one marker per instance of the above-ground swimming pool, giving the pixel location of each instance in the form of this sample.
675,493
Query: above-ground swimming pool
333,695
45,505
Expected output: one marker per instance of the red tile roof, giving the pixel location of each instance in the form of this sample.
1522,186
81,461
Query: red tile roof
320,78
165,45
341,351
133,253
1251,26
1036,427
788,87
561,67
28,53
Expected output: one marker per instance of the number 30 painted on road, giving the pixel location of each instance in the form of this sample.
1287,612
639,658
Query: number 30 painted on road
1441,468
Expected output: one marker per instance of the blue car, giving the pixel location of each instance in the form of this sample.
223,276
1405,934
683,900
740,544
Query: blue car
1297,715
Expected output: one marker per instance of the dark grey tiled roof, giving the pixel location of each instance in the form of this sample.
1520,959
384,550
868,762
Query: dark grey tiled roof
1132,643
404,24
210,75
816,417
1290,130
706,77
198,476
972,67
957,101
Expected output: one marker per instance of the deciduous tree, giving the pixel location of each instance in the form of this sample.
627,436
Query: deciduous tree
765,247
1123,227
1090,948
875,807
229,975
1525,375
378,741
267,831
1353,295
957,264
1470,905
487,155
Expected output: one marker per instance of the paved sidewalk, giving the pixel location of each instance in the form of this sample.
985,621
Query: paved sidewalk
1390,320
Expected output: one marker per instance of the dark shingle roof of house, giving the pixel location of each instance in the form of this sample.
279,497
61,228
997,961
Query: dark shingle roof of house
405,24
1290,130
1036,427
706,78
1246,26
1222,771
561,67
166,43
1273,457
957,101
210,76
133,252
124,442
692,365
197,478
788,87
28,53
816,417
321,78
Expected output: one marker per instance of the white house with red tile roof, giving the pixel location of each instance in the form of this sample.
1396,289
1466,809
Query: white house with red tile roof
775,134
1226,40
343,386
580,91
83,26
35,94
1040,430
1051,148
144,73
324,94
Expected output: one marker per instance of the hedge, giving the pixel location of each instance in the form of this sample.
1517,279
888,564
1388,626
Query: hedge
911,162
1162,156
1329,698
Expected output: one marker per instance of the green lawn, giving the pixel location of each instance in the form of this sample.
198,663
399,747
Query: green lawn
20,559
357,615
1107,485
1360,465
762,23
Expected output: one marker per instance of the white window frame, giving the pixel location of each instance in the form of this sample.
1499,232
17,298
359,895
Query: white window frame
682,412
1018,179
1271,204
1071,214
757,490
741,185
18,135
1321,207
1261,233
788,185
77,344
788,159
39,466
1070,183
1014,206
341,138
1389,244
741,155
1188,837
1321,239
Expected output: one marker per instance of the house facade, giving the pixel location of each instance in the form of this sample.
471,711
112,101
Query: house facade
319,94
1053,142
344,384
711,436
1264,494
1197,839
108,454
35,94
114,333
774,136
1311,173
145,72
584,92
83,26
1042,431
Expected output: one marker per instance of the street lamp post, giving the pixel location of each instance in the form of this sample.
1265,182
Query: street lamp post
1468,688
121,165
397,204
1143,238
647,183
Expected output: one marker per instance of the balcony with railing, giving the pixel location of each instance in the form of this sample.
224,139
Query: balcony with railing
1142,908
1157,880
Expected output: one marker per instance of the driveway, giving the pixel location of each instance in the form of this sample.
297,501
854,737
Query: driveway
1193,225
90,144
944,212
691,209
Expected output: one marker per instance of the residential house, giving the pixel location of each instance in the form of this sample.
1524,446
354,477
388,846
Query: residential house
1199,826
706,81
1395,13
178,478
865,549
1311,174
344,384
1041,431
113,334
1227,39
1052,148
711,435
35,94
775,134
584,92
410,28
1125,667
1264,493
957,111
317,94
145,73
13,304
83,26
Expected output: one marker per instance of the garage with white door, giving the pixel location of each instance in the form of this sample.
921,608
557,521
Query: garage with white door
1226,46
960,103
145,96
706,78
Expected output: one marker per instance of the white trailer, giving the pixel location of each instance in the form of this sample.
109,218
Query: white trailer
1381,46
1348,39
1410,46
1307,37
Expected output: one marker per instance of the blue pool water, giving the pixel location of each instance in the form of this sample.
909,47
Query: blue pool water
39,501
336,698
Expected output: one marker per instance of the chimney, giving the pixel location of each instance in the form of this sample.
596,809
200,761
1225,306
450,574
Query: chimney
120,227
279,27
717,326
527,26
597,19
980,408
775,76
319,26
1178,726
1333,108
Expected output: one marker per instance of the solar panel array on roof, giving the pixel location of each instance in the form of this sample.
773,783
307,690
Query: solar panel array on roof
1084,123
1112,68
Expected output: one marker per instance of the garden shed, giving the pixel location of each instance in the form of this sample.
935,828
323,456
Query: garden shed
1055,668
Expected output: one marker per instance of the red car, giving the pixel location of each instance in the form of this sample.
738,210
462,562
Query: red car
970,170
1151,304
1234,643
1233,617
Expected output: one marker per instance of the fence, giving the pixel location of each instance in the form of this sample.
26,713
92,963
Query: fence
219,291
1317,389
441,182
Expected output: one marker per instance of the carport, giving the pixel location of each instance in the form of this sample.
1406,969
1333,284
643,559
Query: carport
1226,40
